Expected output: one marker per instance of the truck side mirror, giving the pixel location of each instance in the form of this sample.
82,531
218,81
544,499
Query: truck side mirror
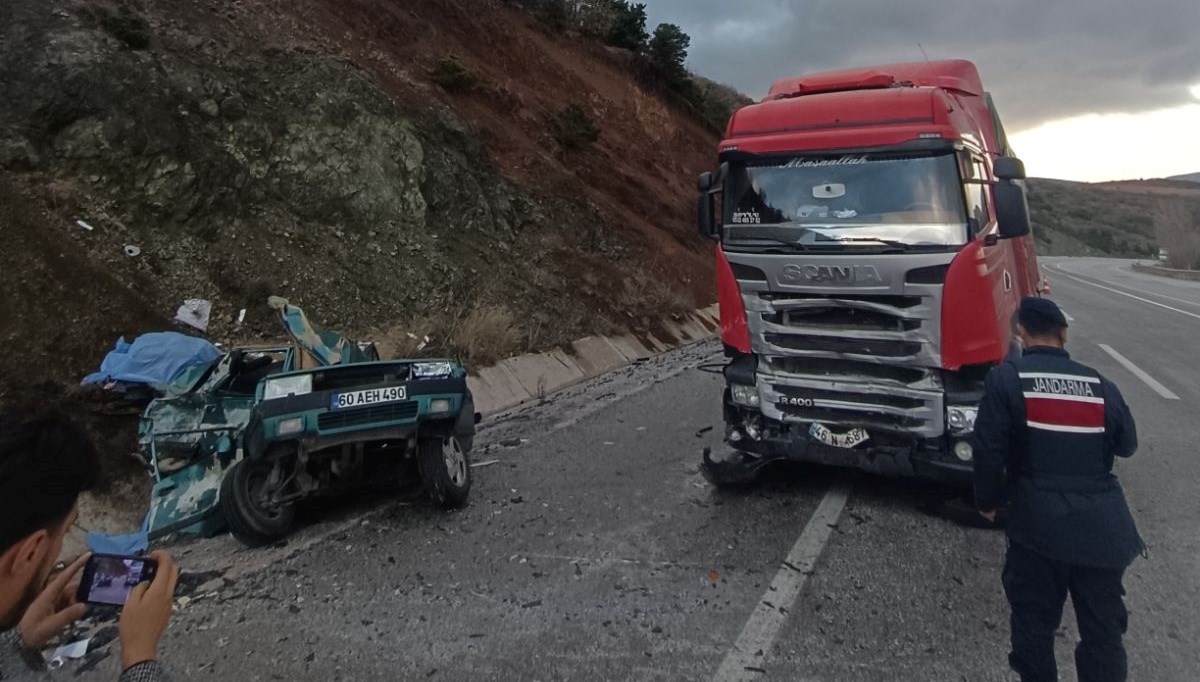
706,208
1012,206
1012,209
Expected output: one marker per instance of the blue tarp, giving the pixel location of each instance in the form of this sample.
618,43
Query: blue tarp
126,545
153,359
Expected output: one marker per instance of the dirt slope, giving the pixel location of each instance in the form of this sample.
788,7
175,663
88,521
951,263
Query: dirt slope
301,148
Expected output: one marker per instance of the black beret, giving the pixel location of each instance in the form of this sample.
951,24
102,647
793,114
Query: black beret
1041,307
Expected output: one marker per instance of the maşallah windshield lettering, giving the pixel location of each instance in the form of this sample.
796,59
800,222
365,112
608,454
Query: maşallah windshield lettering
909,200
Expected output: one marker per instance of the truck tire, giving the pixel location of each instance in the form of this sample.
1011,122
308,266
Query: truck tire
249,522
445,467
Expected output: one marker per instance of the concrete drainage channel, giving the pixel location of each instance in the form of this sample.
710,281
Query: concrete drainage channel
525,378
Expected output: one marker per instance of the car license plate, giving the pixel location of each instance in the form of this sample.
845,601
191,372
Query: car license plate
850,439
370,396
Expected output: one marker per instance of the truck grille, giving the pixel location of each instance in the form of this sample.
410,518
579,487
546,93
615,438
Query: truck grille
378,414
850,360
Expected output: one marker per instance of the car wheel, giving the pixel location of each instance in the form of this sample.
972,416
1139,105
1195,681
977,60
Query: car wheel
445,469
250,518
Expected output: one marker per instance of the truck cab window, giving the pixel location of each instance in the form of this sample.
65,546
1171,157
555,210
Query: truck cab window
977,192
914,199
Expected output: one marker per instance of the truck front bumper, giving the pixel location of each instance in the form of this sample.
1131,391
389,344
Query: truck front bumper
884,455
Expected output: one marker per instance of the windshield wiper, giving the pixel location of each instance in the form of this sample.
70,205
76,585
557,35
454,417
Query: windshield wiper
750,241
876,240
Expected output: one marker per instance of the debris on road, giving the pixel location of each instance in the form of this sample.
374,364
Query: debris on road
84,225
488,463
68,652
703,431
132,251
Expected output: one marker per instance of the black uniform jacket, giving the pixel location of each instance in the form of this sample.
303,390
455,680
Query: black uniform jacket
1047,432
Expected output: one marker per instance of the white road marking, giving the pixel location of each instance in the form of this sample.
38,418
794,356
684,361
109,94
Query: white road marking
1118,291
1139,373
1059,268
752,646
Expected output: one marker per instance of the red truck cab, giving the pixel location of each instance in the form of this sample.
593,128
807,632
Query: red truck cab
873,245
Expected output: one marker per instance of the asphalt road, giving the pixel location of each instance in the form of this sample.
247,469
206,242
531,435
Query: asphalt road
593,549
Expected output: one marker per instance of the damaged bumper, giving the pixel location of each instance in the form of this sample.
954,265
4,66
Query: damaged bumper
767,441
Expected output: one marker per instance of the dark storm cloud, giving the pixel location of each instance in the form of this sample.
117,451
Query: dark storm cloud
1043,59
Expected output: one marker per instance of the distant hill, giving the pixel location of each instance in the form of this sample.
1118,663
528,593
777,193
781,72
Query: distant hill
1190,177
1108,219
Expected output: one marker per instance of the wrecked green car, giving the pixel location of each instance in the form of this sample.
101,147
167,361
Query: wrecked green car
240,442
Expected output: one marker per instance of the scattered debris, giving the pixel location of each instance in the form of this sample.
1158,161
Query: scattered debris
132,251
241,316
703,431
195,313
532,604
511,442
84,225
488,463
66,652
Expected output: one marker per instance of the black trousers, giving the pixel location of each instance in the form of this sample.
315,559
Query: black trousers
1037,588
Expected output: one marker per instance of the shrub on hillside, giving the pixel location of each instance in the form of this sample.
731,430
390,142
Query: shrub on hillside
668,51
628,29
1178,227
453,75
574,129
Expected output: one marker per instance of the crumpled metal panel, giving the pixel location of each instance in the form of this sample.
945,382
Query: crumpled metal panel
329,348
188,500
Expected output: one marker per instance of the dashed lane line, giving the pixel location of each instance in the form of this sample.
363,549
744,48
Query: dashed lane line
758,636
1139,373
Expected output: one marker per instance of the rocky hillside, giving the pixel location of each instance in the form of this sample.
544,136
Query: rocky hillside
446,167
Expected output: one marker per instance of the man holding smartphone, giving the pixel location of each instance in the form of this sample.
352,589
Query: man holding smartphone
46,461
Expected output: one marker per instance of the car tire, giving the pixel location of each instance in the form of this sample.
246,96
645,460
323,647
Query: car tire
249,522
445,467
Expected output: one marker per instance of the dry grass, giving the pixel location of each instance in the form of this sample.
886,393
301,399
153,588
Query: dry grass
1178,229
480,337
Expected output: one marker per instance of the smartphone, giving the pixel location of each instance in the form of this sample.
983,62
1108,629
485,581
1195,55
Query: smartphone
108,578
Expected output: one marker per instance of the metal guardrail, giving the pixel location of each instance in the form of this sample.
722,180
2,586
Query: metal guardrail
1192,275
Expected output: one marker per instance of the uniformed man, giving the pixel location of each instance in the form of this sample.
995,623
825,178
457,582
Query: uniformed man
1047,432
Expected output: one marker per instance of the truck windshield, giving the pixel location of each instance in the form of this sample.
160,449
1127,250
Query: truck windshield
909,200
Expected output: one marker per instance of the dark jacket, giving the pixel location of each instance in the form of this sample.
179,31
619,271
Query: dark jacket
1047,433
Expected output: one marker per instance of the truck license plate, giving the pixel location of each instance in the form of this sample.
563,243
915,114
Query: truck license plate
850,439
370,396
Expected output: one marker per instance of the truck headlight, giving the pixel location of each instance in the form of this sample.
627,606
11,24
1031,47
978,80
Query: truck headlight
290,426
430,370
961,419
439,406
744,395
300,384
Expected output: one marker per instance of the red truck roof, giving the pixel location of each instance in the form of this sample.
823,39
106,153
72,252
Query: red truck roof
957,74
873,107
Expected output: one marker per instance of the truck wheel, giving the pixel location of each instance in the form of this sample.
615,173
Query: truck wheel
243,504
446,470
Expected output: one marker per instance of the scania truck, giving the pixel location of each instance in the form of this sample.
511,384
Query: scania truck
873,243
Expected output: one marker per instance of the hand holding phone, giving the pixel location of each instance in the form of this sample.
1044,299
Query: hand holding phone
54,609
148,612
108,579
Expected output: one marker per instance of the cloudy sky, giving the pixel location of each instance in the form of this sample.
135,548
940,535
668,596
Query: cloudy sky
1089,89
